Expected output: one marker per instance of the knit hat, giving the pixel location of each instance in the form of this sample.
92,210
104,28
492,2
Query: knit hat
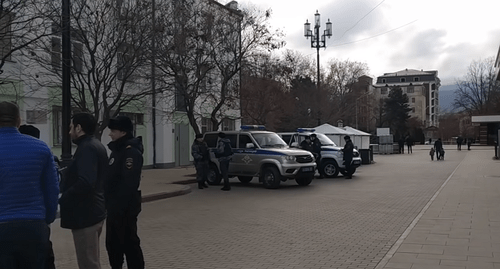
29,130
347,137
121,123
222,135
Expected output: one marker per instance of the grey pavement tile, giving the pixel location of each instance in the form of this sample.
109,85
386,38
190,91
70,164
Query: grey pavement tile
468,264
398,265
427,266
442,257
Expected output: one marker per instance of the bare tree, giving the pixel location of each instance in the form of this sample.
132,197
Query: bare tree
241,35
20,26
183,56
340,78
110,41
479,91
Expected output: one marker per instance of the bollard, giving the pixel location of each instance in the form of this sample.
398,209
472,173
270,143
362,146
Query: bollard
496,151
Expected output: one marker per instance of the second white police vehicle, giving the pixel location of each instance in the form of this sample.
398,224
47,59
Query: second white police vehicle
332,156
262,154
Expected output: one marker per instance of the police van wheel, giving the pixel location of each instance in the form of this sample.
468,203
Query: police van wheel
271,178
244,179
304,181
213,176
329,169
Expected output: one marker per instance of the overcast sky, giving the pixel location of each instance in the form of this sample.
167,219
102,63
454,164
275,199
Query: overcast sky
392,35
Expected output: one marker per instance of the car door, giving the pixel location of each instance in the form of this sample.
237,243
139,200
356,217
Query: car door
246,156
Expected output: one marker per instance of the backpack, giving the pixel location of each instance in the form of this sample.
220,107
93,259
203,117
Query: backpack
227,150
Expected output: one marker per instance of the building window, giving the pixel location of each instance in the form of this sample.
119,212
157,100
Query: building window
36,117
5,34
413,100
228,125
206,125
432,94
403,79
57,125
410,89
383,90
416,79
55,53
413,109
179,100
77,57
383,80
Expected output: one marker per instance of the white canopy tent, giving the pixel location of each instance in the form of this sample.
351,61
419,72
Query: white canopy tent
336,134
360,139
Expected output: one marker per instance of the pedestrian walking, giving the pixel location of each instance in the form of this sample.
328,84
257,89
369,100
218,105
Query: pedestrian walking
82,200
316,150
401,144
469,143
28,190
409,144
348,154
224,153
199,151
122,195
431,152
35,132
459,143
438,146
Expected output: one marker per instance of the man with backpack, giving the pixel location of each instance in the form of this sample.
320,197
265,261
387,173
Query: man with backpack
224,153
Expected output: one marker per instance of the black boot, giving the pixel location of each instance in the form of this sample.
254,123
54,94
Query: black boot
226,188
200,185
204,184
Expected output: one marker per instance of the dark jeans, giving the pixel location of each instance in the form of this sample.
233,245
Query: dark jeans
23,244
224,167
122,239
348,167
201,171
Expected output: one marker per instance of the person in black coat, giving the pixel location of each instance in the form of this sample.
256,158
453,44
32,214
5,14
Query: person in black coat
409,143
401,144
199,151
438,146
348,155
82,194
316,151
123,197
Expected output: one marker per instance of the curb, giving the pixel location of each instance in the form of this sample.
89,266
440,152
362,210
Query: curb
164,195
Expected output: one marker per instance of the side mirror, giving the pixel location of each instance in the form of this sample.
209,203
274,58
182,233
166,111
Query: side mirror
250,146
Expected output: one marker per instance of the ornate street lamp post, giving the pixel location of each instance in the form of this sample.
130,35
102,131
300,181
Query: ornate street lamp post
317,43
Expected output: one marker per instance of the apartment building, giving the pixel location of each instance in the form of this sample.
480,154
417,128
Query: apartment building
422,89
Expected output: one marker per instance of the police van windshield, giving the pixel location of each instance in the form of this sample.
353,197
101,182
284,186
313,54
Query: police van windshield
269,140
325,140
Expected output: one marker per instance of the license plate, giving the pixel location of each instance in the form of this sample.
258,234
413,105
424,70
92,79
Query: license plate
307,169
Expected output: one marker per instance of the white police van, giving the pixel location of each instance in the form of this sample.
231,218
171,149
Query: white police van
332,157
262,154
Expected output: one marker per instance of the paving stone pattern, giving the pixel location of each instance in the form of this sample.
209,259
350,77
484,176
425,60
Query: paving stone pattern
333,223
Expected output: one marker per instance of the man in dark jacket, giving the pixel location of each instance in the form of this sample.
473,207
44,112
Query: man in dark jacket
316,151
224,153
438,146
28,194
82,198
123,197
199,151
348,154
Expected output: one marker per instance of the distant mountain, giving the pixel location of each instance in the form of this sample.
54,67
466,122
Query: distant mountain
446,97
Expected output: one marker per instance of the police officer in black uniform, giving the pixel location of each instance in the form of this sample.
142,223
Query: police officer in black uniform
122,194
316,150
348,155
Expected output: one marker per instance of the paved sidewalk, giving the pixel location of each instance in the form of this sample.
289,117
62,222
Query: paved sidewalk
459,228
164,183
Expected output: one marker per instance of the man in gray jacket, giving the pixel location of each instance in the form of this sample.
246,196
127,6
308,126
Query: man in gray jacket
82,199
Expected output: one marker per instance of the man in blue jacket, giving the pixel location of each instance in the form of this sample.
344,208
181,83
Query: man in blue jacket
28,194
